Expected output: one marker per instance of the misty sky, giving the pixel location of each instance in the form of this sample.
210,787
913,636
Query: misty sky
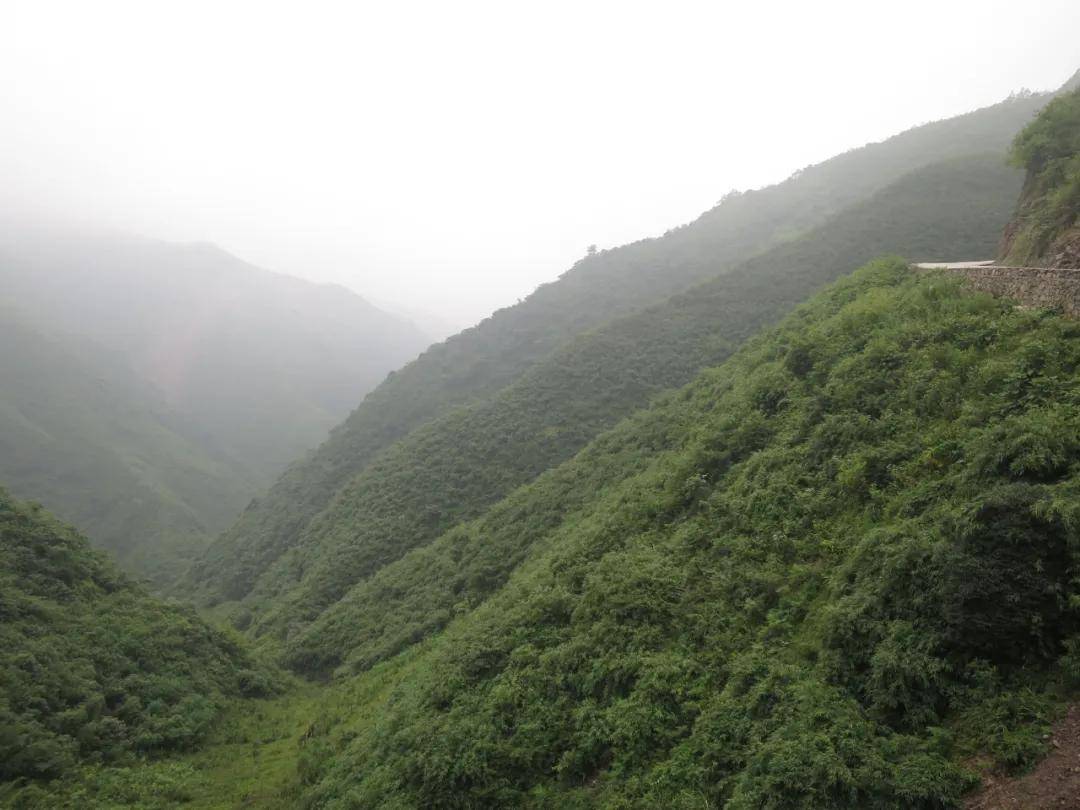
447,157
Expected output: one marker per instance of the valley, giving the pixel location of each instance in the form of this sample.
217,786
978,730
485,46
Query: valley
777,509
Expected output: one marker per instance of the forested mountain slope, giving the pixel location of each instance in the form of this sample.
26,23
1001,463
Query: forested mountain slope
99,447
481,361
92,668
1046,230
454,468
827,573
263,364
837,570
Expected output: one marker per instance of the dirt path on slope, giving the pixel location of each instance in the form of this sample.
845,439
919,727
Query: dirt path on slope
1053,785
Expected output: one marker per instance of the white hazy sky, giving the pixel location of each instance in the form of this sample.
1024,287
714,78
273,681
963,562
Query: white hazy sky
449,156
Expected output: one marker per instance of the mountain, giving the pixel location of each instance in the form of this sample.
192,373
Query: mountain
837,570
952,209
153,389
478,364
456,467
1046,229
675,561
827,573
263,364
82,434
92,668
833,572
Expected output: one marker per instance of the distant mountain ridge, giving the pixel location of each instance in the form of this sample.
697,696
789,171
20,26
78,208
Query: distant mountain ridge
80,432
265,363
150,390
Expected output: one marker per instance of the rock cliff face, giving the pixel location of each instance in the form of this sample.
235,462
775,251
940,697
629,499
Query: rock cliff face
1059,250
1065,252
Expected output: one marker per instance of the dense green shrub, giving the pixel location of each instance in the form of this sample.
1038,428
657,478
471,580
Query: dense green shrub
93,668
1049,149
822,575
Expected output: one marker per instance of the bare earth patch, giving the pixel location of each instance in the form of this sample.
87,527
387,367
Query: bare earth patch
1055,782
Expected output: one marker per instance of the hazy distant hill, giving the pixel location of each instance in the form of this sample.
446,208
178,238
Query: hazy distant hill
81,434
149,390
263,363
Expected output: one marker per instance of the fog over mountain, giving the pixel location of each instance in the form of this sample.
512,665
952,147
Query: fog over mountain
565,406
151,389
451,157
265,363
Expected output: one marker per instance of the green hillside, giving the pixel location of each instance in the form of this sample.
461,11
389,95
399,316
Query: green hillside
837,571
827,573
670,560
455,467
1046,230
100,448
92,668
482,361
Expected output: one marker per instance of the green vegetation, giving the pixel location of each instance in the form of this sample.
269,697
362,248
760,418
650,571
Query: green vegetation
84,436
832,572
454,468
261,753
250,759
92,668
479,363
1045,231
838,568
824,574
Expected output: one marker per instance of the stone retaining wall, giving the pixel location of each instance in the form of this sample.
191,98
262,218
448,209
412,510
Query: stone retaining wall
1040,287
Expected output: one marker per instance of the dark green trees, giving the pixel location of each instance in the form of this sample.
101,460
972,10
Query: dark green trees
1044,231
92,668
